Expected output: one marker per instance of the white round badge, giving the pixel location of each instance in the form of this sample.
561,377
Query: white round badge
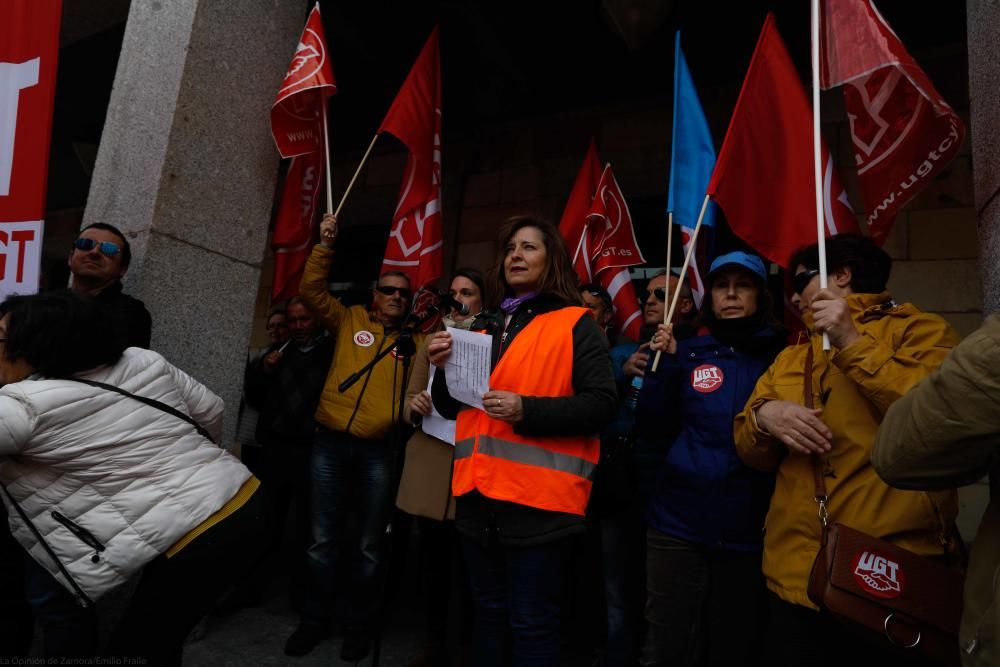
364,338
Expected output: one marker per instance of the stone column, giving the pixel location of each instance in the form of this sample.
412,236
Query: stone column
984,87
187,169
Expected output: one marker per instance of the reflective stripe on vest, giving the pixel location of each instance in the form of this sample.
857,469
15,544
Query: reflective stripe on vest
546,472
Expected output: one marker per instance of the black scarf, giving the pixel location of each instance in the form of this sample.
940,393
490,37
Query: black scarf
750,335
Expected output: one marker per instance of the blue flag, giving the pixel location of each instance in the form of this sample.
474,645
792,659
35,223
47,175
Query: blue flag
692,153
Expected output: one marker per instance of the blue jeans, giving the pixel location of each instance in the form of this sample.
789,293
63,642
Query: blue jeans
346,469
520,590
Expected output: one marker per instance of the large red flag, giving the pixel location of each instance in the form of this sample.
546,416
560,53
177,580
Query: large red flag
293,234
296,121
763,178
613,248
573,224
416,238
297,127
29,48
904,133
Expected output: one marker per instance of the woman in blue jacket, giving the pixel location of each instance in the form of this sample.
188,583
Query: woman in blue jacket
706,514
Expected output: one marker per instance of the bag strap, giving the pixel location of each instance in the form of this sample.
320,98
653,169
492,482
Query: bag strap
87,602
152,402
819,483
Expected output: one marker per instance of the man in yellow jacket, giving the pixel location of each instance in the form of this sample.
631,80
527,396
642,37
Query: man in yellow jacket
879,350
352,449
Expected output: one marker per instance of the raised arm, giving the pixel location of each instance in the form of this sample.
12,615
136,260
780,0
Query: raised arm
313,288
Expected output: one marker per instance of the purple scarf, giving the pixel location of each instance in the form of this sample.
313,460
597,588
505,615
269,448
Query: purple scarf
510,304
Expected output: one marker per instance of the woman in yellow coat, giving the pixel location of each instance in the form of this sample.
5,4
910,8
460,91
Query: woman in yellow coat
880,349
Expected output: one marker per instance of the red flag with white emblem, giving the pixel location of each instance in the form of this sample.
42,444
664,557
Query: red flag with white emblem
296,121
573,225
904,133
297,127
763,177
416,237
613,248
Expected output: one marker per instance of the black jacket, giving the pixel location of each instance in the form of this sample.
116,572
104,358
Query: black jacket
587,411
127,314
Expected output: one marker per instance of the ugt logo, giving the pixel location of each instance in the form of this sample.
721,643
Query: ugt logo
706,378
877,575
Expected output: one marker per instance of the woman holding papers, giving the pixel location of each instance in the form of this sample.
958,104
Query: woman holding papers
524,460
706,512
425,485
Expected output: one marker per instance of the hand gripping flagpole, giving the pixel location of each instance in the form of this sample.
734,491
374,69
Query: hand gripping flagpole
684,268
355,176
817,159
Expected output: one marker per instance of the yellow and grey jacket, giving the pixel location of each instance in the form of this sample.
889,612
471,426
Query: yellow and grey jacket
899,345
946,432
358,337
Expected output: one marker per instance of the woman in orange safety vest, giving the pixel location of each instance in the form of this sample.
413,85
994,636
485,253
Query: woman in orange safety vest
525,458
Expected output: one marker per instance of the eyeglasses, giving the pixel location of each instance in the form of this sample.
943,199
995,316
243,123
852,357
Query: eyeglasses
800,281
659,292
107,248
389,290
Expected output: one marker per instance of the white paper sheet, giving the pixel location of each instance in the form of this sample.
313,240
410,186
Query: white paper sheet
434,424
468,367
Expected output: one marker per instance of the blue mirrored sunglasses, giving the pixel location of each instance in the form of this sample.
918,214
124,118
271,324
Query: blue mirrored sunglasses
106,247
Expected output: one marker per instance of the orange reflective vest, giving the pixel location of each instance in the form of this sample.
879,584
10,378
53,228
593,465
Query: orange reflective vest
548,472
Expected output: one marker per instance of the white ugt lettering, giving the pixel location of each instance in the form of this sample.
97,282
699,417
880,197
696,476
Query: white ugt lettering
14,77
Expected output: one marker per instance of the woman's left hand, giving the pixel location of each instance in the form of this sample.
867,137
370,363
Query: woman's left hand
503,405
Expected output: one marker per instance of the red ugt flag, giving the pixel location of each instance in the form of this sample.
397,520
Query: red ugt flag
614,249
763,177
296,122
904,133
573,225
416,237
29,48
297,126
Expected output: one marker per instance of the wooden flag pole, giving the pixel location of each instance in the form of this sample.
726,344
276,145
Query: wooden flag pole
355,176
818,158
684,269
670,254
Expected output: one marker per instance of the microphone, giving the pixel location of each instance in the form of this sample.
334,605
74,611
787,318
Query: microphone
448,301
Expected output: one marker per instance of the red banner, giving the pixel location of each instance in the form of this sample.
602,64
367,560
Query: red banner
573,224
293,232
416,237
612,237
763,177
29,48
296,120
297,126
904,134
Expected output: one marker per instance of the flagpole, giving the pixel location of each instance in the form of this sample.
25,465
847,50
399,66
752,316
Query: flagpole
355,176
326,159
680,281
817,159
670,243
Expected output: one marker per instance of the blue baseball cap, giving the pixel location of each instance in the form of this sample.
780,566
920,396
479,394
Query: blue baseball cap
743,260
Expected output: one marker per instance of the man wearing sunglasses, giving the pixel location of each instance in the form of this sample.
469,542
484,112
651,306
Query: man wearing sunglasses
98,261
352,450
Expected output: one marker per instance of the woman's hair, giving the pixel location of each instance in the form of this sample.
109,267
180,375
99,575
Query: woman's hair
60,334
476,276
870,265
557,277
